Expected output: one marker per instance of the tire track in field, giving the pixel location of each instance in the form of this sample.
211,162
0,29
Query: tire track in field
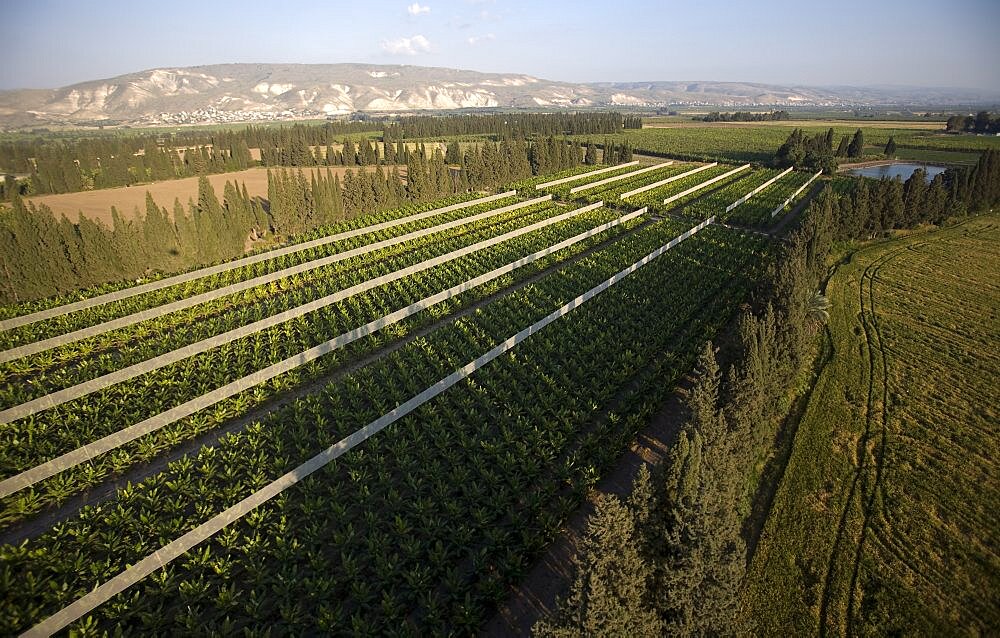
39,523
873,344
875,334
862,455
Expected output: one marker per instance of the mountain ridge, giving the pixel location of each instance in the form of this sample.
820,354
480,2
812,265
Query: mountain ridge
265,91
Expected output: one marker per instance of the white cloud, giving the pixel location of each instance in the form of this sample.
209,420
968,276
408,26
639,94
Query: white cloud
407,46
477,39
416,9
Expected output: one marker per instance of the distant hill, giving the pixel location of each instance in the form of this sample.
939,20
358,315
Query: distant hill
247,92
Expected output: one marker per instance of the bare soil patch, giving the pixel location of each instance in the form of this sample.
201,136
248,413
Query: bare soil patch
97,204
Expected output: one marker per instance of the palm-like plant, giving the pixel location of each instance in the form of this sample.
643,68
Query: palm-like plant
818,308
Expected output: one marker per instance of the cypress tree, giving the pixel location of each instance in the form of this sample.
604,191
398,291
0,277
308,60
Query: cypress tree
857,146
609,592
842,147
890,147
453,155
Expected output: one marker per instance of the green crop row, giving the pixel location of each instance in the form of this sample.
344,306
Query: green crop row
654,198
8,311
611,193
757,211
96,315
716,199
36,375
45,435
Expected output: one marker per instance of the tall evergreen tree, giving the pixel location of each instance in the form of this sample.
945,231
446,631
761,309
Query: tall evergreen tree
857,146
843,146
890,147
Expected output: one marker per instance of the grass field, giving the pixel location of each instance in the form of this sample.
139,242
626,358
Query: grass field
97,204
757,141
885,520
963,158
689,123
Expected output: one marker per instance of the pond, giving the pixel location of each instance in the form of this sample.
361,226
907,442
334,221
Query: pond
901,170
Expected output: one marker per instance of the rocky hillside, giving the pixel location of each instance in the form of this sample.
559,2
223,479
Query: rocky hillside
248,92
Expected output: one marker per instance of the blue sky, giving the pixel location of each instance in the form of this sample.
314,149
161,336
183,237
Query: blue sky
49,43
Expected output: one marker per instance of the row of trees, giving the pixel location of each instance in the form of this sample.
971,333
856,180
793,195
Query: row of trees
510,125
616,152
89,150
889,204
43,255
670,559
982,122
68,165
744,116
56,170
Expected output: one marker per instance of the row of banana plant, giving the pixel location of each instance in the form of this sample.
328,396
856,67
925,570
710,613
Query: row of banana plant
653,199
757,212
716,201
92,316
611,193
562,190
45,435
526,187
26,308
423,528
45,372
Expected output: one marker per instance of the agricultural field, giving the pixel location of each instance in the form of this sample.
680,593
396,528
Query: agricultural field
693,192
885,521
96,204
632,180
687,122
720,198
766,206
754,142
688,189
374,430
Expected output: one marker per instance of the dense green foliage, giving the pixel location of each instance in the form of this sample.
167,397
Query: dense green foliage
745,116
890,147
982,123
59,430
509,125
810,153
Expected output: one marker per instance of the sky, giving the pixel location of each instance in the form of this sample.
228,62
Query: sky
953,43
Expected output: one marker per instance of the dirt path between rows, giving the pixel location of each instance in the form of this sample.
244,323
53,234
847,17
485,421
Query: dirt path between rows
778,229
551,575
